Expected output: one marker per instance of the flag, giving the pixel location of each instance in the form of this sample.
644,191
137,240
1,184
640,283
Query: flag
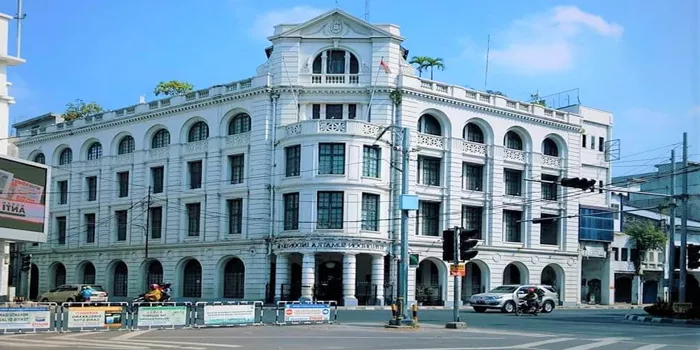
384,65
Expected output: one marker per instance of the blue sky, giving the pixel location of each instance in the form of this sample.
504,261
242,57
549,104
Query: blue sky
636,58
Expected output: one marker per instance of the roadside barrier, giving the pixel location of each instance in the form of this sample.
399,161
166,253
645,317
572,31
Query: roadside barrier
169,315
28,317
87,316
227,314
312,312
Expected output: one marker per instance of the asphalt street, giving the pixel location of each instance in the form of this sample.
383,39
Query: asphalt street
561,330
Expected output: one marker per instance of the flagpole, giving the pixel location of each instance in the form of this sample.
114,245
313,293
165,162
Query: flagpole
486,73
371,96
294,95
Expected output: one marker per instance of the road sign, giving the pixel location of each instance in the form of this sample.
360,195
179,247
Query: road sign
458,270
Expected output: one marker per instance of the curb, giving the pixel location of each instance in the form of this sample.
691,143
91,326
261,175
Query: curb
467,307
651,319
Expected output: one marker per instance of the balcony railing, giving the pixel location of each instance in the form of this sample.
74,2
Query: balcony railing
329,126
473,148
552,162
335,79
514,155
431,141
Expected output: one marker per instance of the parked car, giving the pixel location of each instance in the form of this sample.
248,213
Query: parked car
501,298
71,293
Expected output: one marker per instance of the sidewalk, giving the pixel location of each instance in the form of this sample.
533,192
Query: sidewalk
652,319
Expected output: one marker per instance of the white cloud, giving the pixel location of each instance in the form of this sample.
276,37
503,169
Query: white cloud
264,24
548,42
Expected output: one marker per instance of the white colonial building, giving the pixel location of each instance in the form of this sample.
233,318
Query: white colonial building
274,187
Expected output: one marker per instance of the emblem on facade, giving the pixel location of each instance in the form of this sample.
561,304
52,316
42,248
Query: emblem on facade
336,27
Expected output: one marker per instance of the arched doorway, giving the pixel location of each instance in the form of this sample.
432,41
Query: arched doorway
234,279
192,279
330,281
120,280
34,283
88,275
515,274
476,281
623,289
428,283
553,275
154,273
59,275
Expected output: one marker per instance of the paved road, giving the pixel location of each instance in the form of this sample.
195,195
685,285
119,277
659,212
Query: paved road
561,330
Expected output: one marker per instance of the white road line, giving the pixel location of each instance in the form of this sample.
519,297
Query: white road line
65,343
599,344
651,347
71,335
129,335
538,343
158,342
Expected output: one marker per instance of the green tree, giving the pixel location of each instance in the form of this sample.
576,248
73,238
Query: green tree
80,109
173,87
433,63
421,63
645,237
494,92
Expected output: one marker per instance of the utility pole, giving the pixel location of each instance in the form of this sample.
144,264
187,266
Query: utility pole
455,304
403,263
672,230
684,222
148,219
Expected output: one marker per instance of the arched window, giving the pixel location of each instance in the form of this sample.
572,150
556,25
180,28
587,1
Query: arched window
120,280
239,124
126,145
89,273
192,280
550,148
513,141
154,273
39,158
234,279
428,124
95,151
337,62
66,157
198,132
160,139
59,277
473,133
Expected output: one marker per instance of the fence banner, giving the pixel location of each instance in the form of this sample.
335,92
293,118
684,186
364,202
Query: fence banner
25,318
95,317
229,314
307,313
161,316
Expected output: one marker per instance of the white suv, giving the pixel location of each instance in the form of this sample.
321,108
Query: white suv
502,298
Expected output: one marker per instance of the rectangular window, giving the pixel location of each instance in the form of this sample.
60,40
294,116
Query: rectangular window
472,218
193,212
583,141
596,224
473,177
91,182
121,216
291,211
237,170
512,225
352,111
63,192
123,179
292,156
549,190
235,216
195,170
549,230
90,228
616,208
429,170
371,161
428,217
334,111
514,180
331,158
61,229
601,144
156,222
158,174
592,142
625,255
370,212
616,253
330,210
316,111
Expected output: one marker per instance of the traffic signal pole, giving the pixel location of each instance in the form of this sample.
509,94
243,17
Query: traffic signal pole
455,305
684,222
671,250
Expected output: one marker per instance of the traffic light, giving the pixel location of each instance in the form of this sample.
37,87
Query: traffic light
575,182
693,256
26,262
448,245
467,241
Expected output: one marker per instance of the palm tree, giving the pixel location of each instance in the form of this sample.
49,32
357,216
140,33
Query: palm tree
437,62
421,62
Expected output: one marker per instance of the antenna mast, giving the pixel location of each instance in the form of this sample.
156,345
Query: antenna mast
486,73
367,10
20,16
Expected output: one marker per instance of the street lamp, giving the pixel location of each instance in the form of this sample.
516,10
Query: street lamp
406,202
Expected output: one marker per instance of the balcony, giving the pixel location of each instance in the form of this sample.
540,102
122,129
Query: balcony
474,148
430,141
514,155
552,162
330,126
336,79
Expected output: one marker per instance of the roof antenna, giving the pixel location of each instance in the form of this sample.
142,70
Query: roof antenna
336,4
367,10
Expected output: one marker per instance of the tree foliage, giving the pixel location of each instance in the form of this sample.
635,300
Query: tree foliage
496,92
79,109
173,87
645,237
424,62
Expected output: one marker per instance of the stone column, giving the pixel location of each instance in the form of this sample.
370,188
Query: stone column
281,276
378,278
637,290
308,276
349,272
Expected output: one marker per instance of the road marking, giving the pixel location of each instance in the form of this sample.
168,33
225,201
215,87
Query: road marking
129,335
599,344
158,342
651,347
537,343
53,343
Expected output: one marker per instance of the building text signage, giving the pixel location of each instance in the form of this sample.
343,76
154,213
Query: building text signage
332,245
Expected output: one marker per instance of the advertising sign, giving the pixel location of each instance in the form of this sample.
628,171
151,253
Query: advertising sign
25,318
307,313
23,198
95,317
458,270
162,316
229,314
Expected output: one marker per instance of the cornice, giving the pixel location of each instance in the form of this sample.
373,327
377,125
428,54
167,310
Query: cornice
154,247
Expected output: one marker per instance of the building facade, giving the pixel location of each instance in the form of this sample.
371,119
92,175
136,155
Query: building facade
284,185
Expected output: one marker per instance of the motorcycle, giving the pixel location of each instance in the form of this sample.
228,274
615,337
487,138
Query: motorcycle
524,307
165,295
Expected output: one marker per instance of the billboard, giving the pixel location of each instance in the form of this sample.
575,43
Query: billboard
24,210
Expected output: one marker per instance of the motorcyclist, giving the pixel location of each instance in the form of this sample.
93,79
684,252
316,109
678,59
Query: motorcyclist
86,293
155,294
532,297
165,289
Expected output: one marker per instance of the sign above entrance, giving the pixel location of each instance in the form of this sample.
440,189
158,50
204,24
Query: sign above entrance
362,246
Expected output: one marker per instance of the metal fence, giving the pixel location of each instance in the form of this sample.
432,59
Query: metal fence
227,314
29,317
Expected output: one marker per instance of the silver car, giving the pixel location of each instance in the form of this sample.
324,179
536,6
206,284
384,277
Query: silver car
502,298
